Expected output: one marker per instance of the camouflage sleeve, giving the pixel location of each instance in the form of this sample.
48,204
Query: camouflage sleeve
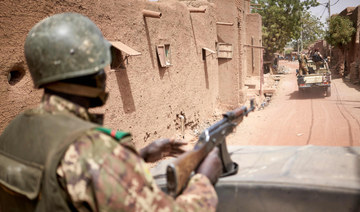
101,175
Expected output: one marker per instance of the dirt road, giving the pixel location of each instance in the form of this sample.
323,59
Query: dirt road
310,118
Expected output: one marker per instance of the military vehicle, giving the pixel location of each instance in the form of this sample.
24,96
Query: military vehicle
320,79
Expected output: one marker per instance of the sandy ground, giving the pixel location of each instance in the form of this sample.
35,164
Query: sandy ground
310,118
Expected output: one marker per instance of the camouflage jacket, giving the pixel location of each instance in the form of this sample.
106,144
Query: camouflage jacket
303,60
99,174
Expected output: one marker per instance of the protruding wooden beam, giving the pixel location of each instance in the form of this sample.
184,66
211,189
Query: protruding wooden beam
256,47
151,14
209,50
197,10
124,48
224,23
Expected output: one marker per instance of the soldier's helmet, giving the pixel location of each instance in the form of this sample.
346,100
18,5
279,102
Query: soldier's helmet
65,46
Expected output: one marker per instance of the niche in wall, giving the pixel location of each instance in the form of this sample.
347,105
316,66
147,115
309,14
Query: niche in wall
224,50
164,55
15,74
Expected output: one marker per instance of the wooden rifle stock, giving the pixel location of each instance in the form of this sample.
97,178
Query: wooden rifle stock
178,172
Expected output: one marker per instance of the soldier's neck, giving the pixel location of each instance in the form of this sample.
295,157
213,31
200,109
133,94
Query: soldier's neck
79,100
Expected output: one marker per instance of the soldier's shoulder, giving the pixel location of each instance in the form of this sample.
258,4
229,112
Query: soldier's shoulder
105,139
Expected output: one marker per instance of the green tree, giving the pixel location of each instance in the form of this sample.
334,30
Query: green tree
312,30
341,30
281,22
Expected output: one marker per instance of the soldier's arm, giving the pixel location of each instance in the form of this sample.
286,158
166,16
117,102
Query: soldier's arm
103,175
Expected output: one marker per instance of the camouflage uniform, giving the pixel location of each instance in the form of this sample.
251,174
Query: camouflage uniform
302,64
101,175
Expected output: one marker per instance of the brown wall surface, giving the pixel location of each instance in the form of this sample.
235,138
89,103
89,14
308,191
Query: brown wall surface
349,62
253,37
228,80
243,8
352,60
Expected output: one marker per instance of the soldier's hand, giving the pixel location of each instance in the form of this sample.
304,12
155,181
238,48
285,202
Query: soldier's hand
211,166
162,148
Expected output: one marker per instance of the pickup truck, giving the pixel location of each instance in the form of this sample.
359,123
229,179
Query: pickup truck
315,79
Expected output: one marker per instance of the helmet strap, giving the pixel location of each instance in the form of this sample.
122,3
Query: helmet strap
75,89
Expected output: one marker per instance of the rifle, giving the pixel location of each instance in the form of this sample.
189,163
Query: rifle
178,172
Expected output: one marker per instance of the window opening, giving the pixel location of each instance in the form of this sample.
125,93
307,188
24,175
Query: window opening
164,55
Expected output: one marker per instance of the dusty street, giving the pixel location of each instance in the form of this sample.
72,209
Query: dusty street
310,118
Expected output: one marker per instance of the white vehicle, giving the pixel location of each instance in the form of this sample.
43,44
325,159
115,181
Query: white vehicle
315,79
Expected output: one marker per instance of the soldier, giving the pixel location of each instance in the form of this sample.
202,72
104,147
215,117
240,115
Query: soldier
55,158
318,59
302,64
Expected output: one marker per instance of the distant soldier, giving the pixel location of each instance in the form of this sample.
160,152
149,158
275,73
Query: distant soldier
56,158
302,64
318,59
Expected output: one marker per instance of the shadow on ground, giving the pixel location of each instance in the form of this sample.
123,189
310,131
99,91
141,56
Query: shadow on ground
314,93
351,85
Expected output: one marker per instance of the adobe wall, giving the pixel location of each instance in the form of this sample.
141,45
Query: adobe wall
357,34
243,8
354,48
337,62
347,64
145,99
253,40
229,81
